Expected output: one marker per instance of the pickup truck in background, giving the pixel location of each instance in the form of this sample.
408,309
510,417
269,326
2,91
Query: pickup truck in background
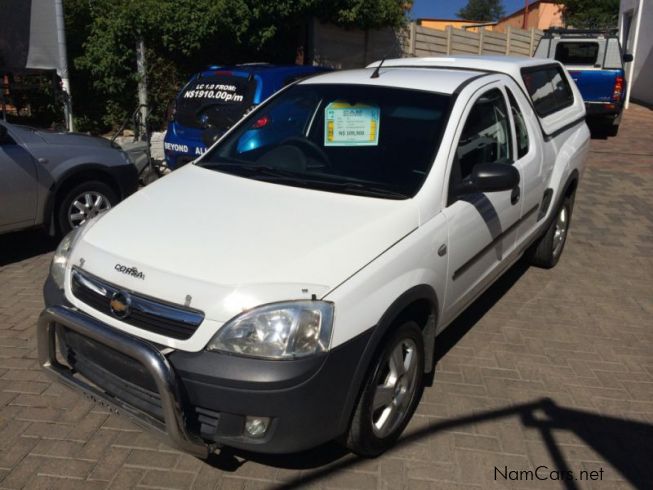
595,61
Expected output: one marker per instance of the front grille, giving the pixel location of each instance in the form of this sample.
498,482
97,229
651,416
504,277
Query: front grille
175,321
115,373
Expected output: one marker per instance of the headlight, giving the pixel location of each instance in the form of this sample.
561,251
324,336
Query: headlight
126,157
278,331
61,255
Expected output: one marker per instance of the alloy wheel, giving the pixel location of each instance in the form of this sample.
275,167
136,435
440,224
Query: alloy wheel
396,388
86,206
560,232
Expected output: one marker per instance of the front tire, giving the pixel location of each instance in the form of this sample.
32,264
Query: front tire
547,251
83,202
391,393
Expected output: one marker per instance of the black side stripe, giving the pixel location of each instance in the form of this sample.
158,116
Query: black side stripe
564,128
491,245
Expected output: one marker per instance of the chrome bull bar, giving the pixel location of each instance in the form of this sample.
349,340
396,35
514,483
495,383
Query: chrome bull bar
173,428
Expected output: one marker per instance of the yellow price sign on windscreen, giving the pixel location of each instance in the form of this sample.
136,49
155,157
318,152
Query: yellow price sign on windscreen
351,125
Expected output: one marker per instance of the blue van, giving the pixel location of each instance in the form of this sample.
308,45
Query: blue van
215,99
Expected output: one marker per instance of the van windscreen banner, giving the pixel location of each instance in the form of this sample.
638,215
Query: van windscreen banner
214,90
215,101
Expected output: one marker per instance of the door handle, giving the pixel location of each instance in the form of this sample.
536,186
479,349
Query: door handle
515,195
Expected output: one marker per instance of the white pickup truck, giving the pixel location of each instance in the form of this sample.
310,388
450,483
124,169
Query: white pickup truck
288,287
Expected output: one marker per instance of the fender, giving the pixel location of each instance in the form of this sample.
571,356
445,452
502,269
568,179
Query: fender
380,330
572,181
549,211
569,159
118,177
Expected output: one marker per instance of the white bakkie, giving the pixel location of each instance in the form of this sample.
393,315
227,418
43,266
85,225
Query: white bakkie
287,288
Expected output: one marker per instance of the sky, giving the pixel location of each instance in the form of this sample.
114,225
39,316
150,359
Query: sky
446,9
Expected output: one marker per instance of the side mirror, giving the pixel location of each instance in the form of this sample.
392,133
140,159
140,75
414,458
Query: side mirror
627,57
4,135
490,177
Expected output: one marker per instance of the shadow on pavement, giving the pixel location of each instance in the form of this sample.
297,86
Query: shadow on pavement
626,445
21,245
477,310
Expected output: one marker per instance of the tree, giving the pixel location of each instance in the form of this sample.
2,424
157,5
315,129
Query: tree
590,14
185,36
482,10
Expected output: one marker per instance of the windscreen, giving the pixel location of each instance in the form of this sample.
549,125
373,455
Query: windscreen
354,139
577,53
216,101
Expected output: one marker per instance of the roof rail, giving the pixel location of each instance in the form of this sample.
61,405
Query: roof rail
578,33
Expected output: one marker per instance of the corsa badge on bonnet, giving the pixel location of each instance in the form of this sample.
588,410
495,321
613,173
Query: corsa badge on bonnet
131,271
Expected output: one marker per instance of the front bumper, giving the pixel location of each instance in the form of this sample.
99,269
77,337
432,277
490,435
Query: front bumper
203,398
173,426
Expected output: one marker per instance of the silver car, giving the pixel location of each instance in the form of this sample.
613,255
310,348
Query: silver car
58,180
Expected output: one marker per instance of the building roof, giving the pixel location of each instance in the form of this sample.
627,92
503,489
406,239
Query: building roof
530,7
436,19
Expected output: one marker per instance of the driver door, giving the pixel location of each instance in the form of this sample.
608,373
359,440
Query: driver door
18,185
482,226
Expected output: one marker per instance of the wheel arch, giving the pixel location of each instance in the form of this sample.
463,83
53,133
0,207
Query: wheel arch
572,184
71,178
569,187
419,303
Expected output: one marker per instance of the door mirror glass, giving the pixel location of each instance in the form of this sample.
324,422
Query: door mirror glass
489,177
628,58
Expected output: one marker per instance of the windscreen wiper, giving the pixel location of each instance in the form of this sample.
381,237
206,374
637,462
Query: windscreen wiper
266,172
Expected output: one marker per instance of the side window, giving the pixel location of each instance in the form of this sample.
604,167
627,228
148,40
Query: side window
561,89
548,88
486,134
521,131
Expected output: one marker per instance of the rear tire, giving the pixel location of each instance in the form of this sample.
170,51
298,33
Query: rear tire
547,250
391,392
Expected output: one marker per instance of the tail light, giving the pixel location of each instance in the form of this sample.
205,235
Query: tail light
618,88
261,122
172,110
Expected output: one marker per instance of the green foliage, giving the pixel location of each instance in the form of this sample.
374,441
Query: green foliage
591,14
482,10
363,14
185,36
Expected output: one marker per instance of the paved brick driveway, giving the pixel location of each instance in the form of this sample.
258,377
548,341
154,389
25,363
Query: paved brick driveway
549,369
